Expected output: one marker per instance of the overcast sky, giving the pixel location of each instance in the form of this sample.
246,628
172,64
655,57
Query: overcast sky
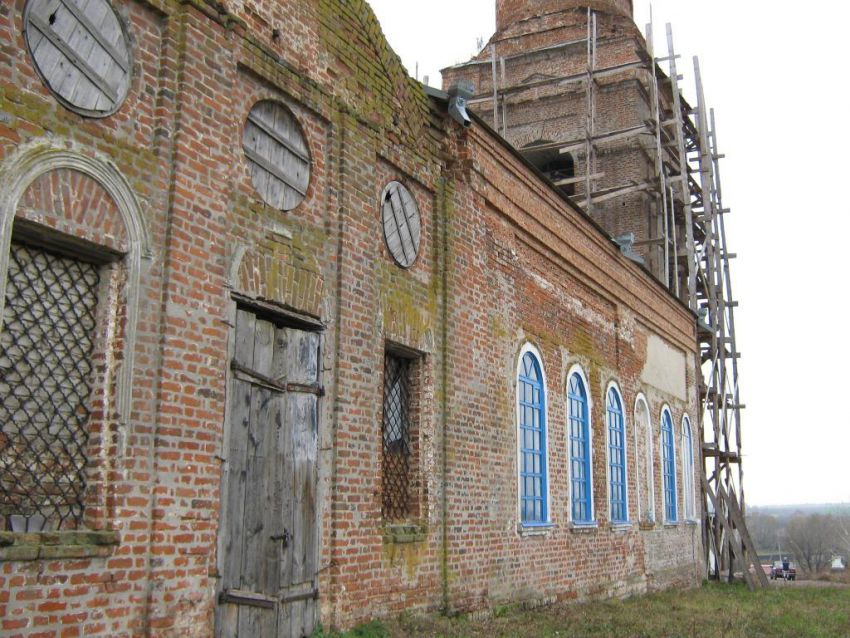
777,79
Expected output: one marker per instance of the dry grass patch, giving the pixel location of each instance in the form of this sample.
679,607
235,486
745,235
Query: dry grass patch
713,611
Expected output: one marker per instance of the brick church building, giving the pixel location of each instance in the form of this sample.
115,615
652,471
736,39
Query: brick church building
288,338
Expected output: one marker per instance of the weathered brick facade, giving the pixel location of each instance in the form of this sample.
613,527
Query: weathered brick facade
160,195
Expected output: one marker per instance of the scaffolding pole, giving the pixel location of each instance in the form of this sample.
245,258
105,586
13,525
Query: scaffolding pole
663,221
590,123
726,530
681,180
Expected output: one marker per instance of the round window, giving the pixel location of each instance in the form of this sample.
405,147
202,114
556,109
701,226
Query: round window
81,52
277,153
402,225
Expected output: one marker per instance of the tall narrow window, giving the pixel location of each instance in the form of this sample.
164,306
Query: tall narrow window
580,474
46,347
531,409
688,469
396,433
617,457
668,460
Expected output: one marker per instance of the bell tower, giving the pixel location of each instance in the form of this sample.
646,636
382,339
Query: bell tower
509,12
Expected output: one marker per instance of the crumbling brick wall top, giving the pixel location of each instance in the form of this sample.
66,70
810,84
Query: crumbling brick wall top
509,12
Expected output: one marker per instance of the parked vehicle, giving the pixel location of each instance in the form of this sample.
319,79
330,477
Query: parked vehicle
784,570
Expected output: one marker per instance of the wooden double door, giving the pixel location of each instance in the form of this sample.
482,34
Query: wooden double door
269,545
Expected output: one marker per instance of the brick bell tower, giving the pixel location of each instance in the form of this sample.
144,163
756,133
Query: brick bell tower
586,131
509,12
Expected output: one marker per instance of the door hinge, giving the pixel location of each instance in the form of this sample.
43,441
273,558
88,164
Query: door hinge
249,598
307,595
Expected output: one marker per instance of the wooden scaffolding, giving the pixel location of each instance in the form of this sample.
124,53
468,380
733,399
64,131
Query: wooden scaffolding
687,238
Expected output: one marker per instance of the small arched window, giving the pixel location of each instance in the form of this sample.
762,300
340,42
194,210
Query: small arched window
580,472
668,461
688,469
531,411
617,493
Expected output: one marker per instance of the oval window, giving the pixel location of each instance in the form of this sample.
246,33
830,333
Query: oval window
402,225
81,52
277,153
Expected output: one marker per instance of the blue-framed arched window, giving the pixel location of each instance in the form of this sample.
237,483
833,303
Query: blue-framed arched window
668,469
688,469
580,473
531,399
616,456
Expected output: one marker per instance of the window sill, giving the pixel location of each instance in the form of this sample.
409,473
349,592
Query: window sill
621,526
671,524
15,546
399,534
534,529
584,528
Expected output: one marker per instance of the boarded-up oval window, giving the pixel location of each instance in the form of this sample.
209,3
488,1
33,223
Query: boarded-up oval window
277,153
402,225
81,52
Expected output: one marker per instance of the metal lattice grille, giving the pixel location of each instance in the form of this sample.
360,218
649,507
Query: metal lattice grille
45,381
396,437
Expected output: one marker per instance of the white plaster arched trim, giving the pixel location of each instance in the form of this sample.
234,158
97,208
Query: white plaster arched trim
688,470
237,256
576,369
613,385
528,347
33,160
648,472
666,409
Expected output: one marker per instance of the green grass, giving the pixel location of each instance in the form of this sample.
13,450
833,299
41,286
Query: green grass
714,611
374,629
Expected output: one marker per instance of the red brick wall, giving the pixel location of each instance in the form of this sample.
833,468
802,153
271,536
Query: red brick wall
509,12
503,260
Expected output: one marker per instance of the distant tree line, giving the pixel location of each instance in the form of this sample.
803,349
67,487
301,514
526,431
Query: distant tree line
812,539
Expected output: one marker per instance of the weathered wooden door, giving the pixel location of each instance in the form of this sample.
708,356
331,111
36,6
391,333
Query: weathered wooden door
269,547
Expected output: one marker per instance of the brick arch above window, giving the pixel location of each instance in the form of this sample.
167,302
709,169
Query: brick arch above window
75,204
28,178
279,272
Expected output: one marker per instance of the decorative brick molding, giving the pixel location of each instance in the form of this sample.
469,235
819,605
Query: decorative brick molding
27,178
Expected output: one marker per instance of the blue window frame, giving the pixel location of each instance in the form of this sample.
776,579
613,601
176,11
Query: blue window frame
617,457
668,459
579,418
532,433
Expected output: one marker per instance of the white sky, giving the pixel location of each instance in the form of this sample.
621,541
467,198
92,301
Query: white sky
776,75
